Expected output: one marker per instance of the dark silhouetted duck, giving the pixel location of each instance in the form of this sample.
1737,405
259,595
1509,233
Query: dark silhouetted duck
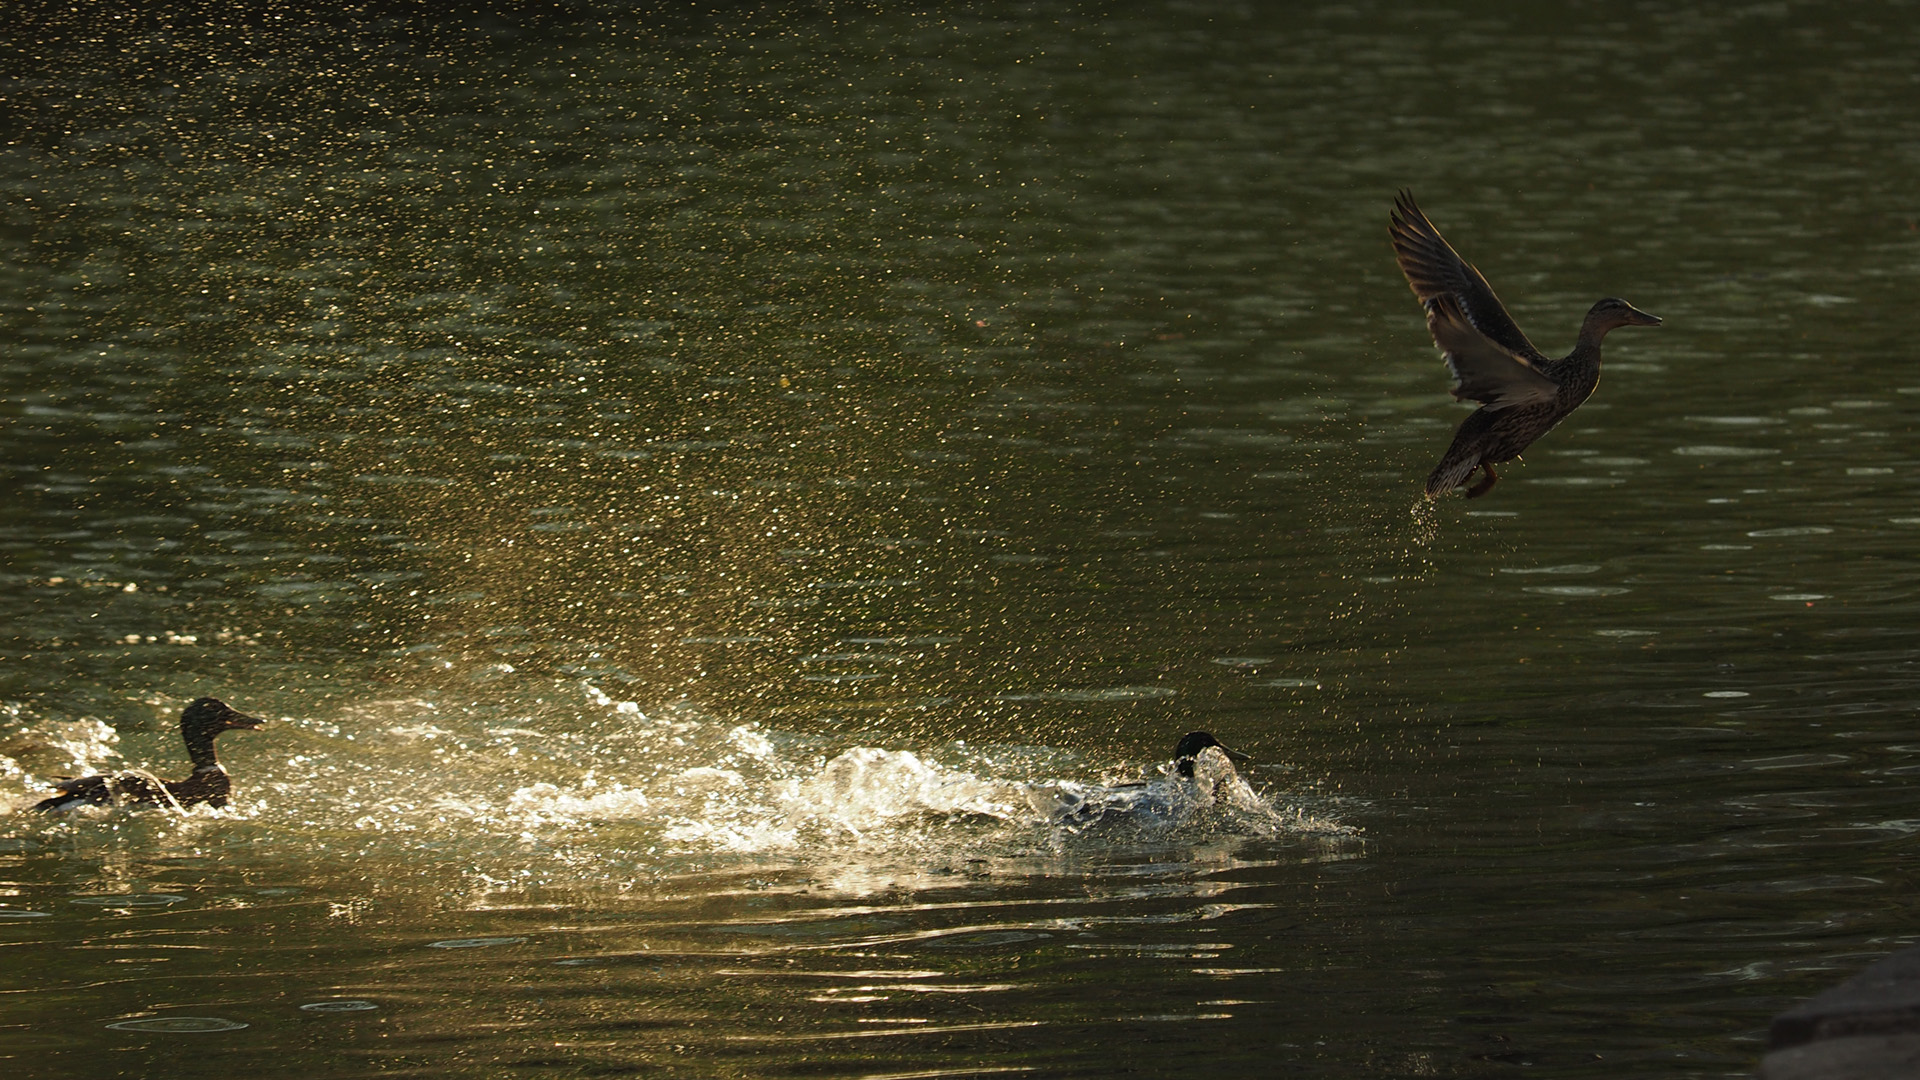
200,722
1191,744
1522,394
1175,794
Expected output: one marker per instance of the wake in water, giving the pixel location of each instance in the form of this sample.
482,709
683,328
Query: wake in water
603,784
868,792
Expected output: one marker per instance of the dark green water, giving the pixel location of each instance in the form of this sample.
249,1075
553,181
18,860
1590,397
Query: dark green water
579,433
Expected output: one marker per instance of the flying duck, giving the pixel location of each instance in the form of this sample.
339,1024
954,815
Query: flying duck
1522,394
199,723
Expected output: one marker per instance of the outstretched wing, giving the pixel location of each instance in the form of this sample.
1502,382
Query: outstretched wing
1492,361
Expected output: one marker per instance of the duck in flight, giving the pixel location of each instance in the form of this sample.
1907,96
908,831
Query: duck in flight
1522,394
200,722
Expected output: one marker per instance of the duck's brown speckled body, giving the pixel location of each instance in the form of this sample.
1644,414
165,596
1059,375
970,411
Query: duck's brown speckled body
200,722
1522,393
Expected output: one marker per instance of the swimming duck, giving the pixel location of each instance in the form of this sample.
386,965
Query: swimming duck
1522,394
199,723
1163,801
1191,744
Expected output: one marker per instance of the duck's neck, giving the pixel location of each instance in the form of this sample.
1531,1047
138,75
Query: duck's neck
200,751
1578,373
1592,332
1585,354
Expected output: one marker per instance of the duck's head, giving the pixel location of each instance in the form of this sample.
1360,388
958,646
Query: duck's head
1192,743
1613,313
209,716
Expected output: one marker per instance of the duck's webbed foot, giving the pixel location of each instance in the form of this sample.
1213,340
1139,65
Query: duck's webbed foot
1486,482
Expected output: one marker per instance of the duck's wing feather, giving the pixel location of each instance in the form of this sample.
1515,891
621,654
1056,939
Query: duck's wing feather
105,790
1492,361
1433,268
1482,370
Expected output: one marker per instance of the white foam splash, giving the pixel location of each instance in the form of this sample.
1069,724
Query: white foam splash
547,804
867,787
32,751
870,795
596,782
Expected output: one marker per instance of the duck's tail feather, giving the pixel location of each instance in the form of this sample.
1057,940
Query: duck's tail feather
1452,471
66,800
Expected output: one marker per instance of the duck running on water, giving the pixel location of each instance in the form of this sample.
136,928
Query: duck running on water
1201,769
200,723
1522,393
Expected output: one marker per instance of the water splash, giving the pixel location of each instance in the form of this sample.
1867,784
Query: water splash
33,749
582,785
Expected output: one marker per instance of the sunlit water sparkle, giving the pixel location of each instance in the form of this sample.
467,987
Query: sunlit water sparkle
706,499
610,793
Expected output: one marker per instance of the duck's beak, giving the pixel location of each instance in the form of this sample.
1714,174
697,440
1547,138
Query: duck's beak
237,719
1235,755
1636,317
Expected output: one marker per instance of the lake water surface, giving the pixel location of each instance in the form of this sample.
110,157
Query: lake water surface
686,490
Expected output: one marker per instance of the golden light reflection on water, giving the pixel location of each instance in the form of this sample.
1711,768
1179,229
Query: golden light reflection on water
578,440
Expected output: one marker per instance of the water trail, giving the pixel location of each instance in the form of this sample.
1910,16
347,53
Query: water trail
601,787
1424,515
